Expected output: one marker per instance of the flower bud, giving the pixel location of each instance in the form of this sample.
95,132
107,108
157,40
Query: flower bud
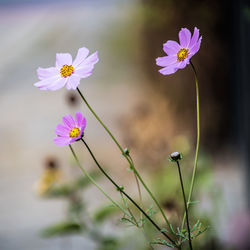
175,156
126,151
120,188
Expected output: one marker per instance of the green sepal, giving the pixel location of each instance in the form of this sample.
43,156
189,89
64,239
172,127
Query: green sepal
126,151
120,188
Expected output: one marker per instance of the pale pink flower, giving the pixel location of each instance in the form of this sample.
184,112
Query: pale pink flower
67,73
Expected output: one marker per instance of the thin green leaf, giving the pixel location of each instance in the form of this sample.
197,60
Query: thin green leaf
164,230
162,242
199,228
193,202
195,225
171,228
62,228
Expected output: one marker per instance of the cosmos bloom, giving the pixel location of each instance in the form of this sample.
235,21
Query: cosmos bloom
66,73
179,55
72,130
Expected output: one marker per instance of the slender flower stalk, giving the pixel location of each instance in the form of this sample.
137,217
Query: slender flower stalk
197,143
127,156
94,182
139,190
125,194
185,205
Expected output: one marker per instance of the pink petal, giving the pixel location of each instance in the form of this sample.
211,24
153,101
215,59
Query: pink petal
62,59
91,60
43,84
85,71
171,47
80,57
194,38
76,138
44,73
69,121
182,64
184,37
196,47
166,60
73,81
62,141
62,130
84,123
57,84
168,70
80,120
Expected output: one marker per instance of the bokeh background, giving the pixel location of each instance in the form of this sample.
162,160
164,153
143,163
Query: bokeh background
151,114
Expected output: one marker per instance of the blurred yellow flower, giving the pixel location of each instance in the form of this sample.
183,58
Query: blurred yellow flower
51,176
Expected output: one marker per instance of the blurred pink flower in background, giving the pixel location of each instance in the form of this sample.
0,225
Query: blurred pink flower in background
178,55
72,130
239,229
67,73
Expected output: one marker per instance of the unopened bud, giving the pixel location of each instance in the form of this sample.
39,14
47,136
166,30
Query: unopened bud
120,188
126,151
175,156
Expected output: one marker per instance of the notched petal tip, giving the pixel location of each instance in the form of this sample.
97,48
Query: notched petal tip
79,114
93,59
69,121
84,50
196,29
184,37
171,47
81,56
62,59
157,60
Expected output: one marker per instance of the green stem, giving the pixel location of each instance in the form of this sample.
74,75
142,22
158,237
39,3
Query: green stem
197,143
99,120
123,192
139,190
185,205
127,158
94,182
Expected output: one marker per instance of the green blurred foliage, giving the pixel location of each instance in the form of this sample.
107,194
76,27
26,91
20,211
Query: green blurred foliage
63,228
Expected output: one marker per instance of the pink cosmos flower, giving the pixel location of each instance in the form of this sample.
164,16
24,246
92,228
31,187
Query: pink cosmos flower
67,72
72,130
178,55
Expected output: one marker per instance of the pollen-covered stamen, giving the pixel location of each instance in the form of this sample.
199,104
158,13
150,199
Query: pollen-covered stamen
66,70
182,54
75,132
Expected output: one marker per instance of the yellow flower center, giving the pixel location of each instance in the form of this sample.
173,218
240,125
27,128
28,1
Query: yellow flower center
66,70
75,132
182,54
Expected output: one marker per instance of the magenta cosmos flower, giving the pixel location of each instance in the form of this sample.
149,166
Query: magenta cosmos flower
67,72
178,55
72,130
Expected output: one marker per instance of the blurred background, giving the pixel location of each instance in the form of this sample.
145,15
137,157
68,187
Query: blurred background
45,203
